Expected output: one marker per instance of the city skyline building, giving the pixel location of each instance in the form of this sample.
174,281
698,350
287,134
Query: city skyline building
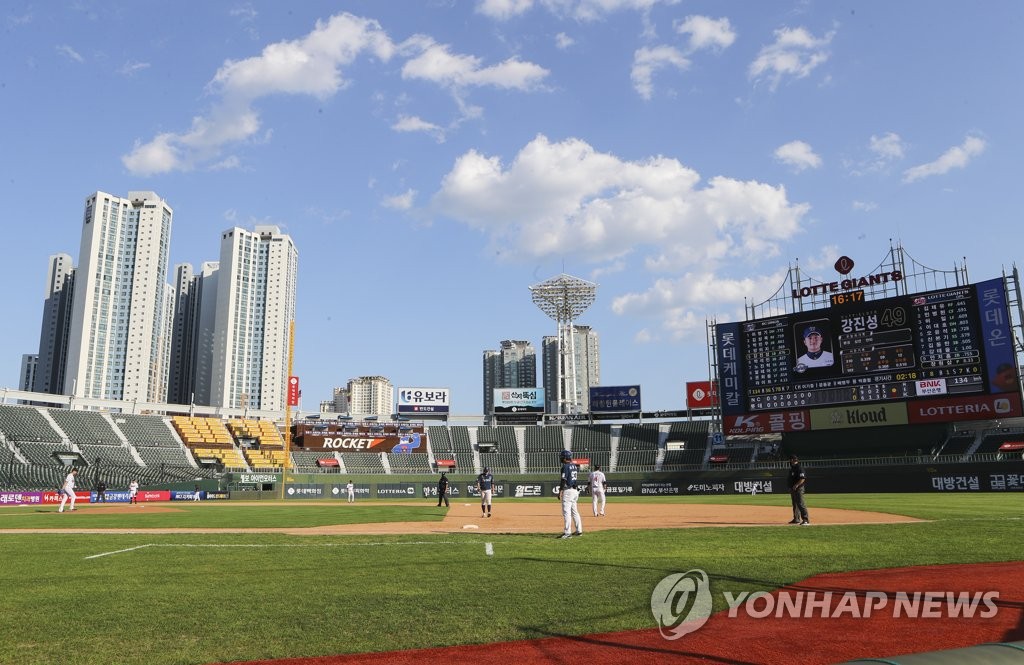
53,331
586,357
370,396
514,365
119,333
255,307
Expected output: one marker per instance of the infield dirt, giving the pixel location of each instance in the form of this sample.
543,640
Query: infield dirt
532,517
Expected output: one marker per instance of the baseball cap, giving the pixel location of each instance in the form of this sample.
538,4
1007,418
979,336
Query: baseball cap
566,455
487,469
812,330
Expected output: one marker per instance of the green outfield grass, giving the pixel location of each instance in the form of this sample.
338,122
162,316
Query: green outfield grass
204,598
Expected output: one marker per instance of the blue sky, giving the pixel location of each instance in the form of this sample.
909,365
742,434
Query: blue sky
434,159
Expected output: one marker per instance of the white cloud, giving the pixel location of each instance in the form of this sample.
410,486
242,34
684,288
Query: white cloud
593,10
503,9
438,65
413,123
566,199
888,147
563,41
644,337
957,157
706,32
798,155
311,65
403,201
865,206
686,303
131,68
646,61
69,52
228,164
795,53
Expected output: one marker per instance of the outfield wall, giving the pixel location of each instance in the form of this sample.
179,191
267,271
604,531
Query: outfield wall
1007,476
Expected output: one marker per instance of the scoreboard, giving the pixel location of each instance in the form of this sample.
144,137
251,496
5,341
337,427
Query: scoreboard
941,344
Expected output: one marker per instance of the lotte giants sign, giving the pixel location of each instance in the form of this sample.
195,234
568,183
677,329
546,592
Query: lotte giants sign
701,394
293,391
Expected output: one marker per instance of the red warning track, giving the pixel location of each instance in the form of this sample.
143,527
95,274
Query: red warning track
742,640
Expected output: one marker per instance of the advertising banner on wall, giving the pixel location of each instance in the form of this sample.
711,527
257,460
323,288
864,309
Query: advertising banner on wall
423,400
847,416
382,443
980,407
519,400
701,394
304,491
614,399
396,490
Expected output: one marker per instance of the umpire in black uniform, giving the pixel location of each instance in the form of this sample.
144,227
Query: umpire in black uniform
442,490
797,481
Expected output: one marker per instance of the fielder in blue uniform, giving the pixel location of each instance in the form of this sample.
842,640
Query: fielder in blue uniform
569,494
485,485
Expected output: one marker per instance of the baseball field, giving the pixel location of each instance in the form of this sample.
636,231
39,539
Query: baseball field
238,581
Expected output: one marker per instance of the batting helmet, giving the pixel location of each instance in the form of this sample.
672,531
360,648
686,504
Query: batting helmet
566,455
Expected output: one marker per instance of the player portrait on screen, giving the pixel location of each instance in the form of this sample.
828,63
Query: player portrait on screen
814,344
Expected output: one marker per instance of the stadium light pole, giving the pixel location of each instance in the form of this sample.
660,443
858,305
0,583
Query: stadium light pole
564,298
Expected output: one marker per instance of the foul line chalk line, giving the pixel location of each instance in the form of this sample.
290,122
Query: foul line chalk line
258,545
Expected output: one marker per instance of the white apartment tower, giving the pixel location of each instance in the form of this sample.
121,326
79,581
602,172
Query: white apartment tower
119,336
586,353
371,396
255,305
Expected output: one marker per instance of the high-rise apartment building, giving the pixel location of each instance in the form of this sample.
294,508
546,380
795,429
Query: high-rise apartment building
29,366
339,402
181,378
512,366
119,335
371,396
585,352
255,306
53,333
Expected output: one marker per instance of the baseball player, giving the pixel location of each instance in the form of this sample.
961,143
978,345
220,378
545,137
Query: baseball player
797,480
485,485
569,495
598,485
351,489
67,490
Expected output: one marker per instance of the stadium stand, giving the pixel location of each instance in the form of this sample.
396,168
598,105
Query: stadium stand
85,427
155,456
694,433
306,461
994,439
543,439
460,441
591,438
684,458
145,430
209,438
409,463
6,455
358,463
23,423
118,455
41,452
638,437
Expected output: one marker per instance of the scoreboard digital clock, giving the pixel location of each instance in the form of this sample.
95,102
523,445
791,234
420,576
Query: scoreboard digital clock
846,298
931,345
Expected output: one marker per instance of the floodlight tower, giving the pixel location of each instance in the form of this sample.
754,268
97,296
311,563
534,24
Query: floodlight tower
564,298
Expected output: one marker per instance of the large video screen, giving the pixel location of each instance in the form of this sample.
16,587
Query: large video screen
935,345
